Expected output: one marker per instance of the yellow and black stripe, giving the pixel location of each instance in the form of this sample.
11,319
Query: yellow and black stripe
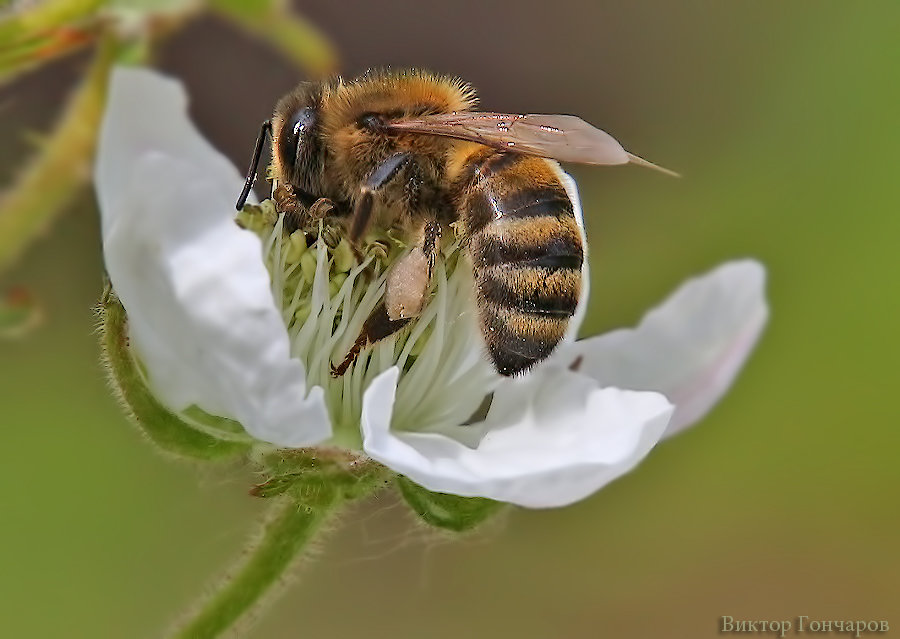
527,254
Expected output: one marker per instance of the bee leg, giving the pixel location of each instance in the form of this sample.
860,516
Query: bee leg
409,277
365,204
430,244
376,328
286,202
321,208
404,296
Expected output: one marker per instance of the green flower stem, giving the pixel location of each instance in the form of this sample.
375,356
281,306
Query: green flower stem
62,167
288,531
295,37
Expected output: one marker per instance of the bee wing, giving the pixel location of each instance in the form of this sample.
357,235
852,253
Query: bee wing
562,137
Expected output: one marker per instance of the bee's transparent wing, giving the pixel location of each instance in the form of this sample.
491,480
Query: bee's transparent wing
562,137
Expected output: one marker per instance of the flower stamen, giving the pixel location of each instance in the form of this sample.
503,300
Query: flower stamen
326,296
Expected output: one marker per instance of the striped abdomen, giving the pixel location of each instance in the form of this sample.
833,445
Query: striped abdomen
527,254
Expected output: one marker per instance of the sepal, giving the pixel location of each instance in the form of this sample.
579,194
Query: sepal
167,430
450,512
312,474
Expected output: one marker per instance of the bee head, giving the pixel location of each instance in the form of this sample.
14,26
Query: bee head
299,153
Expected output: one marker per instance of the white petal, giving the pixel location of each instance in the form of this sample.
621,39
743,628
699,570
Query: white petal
550,439
198,297
691,347
147,111
581,308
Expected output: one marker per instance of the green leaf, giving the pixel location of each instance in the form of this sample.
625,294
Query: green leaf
161,426
450,512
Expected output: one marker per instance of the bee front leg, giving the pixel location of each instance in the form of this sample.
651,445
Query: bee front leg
404,296
321,208
365,203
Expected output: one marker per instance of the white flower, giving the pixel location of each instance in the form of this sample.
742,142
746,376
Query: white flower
248,329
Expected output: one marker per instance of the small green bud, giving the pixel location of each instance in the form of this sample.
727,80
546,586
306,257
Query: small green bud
247,219
269,212
258,218
344,259
450,512
308,265
337,281
296,246
302,313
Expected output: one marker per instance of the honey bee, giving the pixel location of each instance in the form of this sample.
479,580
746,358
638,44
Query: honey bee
405,149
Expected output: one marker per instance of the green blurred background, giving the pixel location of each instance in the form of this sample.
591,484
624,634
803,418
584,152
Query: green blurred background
783,118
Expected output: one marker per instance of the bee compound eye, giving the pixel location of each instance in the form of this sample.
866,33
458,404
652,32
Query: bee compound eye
297,132
302,121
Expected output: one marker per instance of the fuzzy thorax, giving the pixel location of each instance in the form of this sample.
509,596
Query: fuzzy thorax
325,295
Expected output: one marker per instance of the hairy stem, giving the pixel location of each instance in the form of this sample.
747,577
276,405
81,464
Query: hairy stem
285,535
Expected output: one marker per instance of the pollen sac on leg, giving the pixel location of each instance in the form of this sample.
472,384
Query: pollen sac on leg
407,283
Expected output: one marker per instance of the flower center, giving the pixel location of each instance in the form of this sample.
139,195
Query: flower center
326,291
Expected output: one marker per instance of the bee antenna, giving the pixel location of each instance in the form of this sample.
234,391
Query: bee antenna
264,130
